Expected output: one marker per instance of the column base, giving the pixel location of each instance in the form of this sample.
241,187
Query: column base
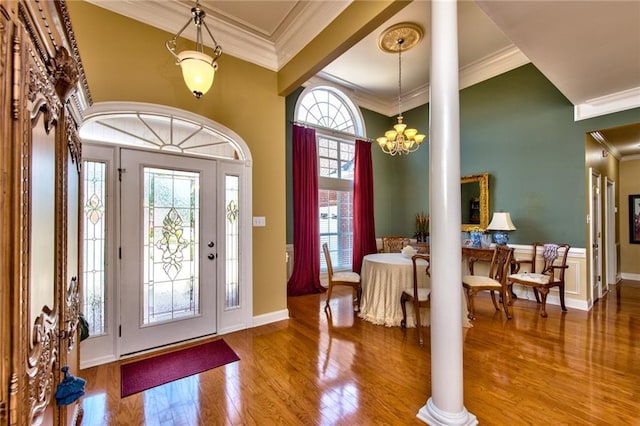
432,415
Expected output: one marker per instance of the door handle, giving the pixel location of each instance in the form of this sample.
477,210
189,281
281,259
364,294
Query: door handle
211,256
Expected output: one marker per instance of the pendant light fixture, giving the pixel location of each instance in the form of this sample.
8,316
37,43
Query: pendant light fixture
198,68
400,140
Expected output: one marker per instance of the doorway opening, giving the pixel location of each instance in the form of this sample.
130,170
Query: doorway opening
166,211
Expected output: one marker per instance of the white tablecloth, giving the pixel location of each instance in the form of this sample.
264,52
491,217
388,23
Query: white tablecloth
384,276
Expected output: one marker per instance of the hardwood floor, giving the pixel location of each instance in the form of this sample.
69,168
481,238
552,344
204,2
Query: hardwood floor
577,368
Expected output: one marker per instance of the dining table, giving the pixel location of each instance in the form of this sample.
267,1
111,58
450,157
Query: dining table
384,276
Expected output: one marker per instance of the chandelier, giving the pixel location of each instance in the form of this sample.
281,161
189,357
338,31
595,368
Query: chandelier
400,140
198,68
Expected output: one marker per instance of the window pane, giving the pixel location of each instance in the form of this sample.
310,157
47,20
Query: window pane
232,261
336,227
324,108
336,158
94,245
171,267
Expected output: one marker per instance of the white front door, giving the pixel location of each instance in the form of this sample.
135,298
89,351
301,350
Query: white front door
168,249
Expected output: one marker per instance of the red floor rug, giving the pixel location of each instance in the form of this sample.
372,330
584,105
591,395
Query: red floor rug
155,371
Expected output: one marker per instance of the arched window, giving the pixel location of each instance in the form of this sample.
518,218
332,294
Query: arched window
337,121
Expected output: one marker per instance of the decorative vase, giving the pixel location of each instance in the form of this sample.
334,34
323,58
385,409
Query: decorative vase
421,237
501,238
476,238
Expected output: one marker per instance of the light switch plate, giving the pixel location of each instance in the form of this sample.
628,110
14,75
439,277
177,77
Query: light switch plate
259,221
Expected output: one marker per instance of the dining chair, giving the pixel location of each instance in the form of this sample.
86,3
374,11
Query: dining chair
348,278
554,263
495,281
394,244
419,296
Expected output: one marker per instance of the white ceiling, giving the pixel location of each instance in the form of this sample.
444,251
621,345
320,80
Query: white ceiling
590,50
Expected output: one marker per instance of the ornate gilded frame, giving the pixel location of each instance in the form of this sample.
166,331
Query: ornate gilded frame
483,181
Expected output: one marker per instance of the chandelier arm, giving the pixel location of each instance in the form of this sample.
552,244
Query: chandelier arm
171,43
217,50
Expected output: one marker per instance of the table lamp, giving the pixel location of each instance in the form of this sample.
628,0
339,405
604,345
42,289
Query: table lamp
501,224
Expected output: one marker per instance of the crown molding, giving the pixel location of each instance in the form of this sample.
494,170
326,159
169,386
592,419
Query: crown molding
608,104
630,157
490,66
314,17
237,41
608,147
360,96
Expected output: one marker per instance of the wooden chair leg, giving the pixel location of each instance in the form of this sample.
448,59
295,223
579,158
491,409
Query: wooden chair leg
416,308
359,295
535,292
561,288
472,312
403,301
493,299
505,304
543,296
328,295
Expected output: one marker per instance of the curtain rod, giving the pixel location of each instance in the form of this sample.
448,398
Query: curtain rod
332,131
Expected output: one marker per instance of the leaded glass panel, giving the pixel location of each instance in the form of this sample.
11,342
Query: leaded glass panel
232,240
171,264
94,246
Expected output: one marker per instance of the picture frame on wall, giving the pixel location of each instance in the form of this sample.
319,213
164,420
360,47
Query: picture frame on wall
634,219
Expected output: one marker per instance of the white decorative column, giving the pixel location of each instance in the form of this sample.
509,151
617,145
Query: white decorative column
445,406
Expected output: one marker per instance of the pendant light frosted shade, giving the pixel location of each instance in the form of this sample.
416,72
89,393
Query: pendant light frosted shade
198,68
198,71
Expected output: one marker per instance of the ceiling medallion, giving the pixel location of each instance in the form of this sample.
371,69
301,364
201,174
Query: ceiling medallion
408,31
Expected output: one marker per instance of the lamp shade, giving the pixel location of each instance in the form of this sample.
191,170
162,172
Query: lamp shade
198,70
501,221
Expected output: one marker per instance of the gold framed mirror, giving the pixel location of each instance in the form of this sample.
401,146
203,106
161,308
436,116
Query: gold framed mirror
474,190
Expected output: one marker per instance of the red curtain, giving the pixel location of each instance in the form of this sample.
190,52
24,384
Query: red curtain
305,278
364,230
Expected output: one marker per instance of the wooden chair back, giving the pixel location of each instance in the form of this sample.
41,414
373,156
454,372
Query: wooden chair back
394,244
418,296
554,264
347,278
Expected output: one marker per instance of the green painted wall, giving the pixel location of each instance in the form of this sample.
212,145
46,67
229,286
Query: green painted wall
517,127
520,129
290,104
398,180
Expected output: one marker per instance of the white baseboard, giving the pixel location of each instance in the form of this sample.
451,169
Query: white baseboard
270,317
629,276
231,329
553,298
97,361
